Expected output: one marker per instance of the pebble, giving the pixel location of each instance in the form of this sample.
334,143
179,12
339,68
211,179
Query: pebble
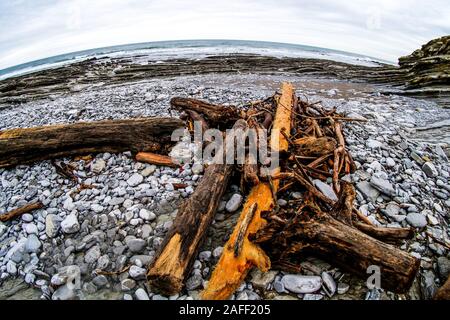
443,267
301,284
430,170
135,180
137,273
416,220
64,293
383,185
128,284
234,203
217,252
373,144
147,215
32,245
148,170
141,294
51,225
312,296
92,254
342,288
70,224
27,217
136,245
326,189
98,166
329,283
204,256
100,281
194,282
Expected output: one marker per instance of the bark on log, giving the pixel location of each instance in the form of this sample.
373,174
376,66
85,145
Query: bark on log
154,158
19,146
232,268
20,211
214,114
180,246
443,292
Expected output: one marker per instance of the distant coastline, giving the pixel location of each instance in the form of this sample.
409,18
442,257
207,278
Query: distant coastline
164,50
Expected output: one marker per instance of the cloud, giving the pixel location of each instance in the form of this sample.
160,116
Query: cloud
34,29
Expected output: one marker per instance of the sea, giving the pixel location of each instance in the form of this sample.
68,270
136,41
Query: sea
191,49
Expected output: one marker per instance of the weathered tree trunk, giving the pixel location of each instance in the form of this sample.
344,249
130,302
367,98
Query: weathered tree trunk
180,246
20,211
19,146
239,253
214,114
320,234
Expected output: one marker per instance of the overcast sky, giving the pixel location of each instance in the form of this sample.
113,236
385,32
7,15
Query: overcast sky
386,29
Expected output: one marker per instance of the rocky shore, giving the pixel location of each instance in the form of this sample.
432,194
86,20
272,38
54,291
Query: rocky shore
105,236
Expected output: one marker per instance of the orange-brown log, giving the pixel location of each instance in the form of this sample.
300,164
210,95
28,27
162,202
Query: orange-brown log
154,158
20,211
233,264
180,246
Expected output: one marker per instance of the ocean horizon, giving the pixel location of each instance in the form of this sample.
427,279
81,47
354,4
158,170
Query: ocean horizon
193,49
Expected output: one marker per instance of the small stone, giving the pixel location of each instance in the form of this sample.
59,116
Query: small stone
342,288
27,217
64,293
128,284
3,229
98,166
325,189
443,267
127,297
329,283
136,245
312,296
148,170
194,282
31,228
261,280
116,201
301,284
137,273
197,168
51,225
217,252
141,294
373,144
32,245
282,202
70,224
430,170
30,278
147,215
234,203
92,254
390,162
97,208
103,262
135,180
100,281
11,267
383,185
204,255
279,286
367,190
416,220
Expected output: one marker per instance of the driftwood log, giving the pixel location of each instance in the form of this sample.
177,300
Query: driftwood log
239,253
315,232
180,246
214,114
20,211
18,146
154,158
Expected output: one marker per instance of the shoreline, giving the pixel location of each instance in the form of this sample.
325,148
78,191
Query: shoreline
383,146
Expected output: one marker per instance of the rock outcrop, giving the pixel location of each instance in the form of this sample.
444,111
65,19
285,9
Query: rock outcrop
428,66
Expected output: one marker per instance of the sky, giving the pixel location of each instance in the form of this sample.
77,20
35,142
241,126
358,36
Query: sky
384,29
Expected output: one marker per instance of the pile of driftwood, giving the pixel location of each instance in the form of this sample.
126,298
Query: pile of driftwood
313,161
